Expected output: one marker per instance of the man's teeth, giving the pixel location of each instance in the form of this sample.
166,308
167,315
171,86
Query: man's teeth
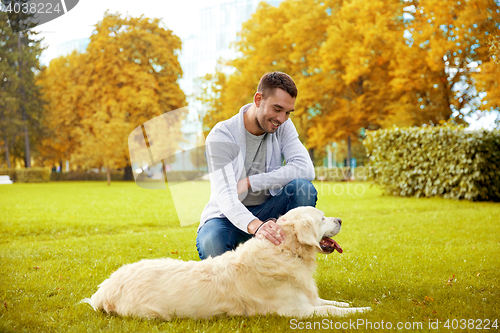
275,124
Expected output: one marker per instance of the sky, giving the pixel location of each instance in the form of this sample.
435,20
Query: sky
179,16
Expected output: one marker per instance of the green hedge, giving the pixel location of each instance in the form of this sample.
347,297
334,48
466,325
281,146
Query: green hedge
116,175
32,175
9,172
339,174
436,161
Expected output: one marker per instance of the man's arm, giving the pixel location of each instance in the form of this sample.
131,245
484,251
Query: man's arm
220,157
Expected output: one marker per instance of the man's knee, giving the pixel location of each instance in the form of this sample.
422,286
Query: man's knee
303,191
210,243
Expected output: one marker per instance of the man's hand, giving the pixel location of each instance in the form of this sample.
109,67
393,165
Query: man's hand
243,185
270,230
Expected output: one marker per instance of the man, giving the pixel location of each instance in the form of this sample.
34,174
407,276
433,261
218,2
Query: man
249,183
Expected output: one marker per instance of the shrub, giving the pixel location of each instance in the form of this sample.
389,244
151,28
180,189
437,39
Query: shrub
33,175
86,175
436,161
9,172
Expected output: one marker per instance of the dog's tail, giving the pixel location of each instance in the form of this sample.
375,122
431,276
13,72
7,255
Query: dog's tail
88,301
100,300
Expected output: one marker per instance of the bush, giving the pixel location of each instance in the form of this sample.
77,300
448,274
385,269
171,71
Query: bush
33,175
339,174
116,175
436,161
9,172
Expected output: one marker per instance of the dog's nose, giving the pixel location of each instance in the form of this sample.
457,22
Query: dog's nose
338,220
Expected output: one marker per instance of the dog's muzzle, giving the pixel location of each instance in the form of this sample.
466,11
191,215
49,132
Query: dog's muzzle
328,245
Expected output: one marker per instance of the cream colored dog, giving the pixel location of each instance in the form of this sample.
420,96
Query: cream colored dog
256,279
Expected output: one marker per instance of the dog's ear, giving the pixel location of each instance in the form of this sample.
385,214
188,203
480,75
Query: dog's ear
306,231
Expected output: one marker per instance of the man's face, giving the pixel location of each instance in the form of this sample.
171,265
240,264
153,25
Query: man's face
274,110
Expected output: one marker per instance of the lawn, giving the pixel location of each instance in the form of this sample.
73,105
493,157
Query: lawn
419,263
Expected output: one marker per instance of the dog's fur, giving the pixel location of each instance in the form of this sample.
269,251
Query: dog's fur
256,279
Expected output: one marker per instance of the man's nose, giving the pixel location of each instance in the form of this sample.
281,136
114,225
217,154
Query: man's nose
282,117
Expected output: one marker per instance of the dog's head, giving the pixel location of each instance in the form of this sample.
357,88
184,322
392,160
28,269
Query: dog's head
312,228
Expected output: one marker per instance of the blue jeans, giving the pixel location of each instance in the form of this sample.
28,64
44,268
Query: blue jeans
219,235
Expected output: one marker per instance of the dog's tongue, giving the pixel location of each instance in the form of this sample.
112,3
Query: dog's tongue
328,245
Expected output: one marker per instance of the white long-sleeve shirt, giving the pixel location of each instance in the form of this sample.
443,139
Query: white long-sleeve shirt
225,152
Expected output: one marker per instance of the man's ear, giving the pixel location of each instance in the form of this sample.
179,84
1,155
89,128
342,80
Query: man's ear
306,231
257,99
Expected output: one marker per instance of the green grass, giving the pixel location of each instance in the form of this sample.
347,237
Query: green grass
411,260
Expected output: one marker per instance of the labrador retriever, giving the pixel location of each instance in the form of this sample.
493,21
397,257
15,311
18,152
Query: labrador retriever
257,278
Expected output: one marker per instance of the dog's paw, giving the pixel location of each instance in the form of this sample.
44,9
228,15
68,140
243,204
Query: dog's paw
342,304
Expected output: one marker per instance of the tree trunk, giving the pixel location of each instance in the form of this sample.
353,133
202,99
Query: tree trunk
7,156
311,154
108,174
127,173
27,155
349,172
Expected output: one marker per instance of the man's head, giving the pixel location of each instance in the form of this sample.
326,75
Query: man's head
274,100
276,80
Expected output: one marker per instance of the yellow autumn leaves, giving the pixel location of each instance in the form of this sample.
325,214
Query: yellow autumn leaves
127,76
358,65
364,64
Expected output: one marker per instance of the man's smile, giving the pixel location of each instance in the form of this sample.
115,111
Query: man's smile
275,124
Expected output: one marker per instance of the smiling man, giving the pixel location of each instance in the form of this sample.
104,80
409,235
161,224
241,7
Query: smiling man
250,186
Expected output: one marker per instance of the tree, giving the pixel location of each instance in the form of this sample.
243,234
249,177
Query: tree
356,69
21,98
127,76
285,39
9,101
211,97
487,77
434,72
66,95
364,65
338,53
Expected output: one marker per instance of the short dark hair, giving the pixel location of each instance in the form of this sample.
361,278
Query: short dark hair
271,81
